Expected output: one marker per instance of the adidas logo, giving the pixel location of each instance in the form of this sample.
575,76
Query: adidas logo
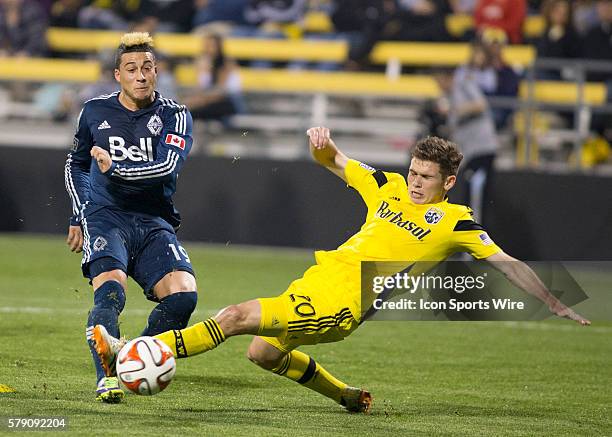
104,125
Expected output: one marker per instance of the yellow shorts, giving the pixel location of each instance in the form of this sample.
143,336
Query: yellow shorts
313,314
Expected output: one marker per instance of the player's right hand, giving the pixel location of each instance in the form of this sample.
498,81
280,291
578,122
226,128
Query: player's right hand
102,157
319,137
75,239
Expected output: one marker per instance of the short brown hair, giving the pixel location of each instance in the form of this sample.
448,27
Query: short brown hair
443,152
134,42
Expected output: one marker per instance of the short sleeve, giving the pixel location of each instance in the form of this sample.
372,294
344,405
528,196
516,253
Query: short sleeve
471,237
365,179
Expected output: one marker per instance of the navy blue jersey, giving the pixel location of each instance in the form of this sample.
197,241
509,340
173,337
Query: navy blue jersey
148,148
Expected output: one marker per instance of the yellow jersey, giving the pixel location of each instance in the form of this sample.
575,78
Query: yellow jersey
395,229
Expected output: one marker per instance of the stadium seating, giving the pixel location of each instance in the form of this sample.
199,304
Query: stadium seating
287,81
189,45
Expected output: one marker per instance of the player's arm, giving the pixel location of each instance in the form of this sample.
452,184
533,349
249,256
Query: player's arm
76,178
521,275
174,146
325,152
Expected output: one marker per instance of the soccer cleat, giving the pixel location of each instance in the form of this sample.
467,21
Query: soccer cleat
107,347
109,391
356,400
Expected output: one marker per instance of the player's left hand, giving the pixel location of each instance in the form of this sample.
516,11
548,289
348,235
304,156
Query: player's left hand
102,157
569,313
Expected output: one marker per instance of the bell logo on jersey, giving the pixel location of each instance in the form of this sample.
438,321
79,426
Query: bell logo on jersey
119,152
175,140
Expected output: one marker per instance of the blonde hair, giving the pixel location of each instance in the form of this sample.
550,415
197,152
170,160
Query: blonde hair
134,42
136,38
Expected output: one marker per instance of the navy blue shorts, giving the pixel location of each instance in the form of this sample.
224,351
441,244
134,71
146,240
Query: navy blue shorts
143,246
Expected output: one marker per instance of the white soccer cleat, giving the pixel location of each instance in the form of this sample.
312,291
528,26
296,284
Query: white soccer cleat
107,347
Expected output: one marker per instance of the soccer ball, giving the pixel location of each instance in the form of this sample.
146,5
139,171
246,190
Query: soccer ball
145,366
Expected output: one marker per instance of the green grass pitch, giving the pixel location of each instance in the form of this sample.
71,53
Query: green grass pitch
427,378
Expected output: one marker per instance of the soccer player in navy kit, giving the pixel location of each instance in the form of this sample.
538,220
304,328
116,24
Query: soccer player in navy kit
121,174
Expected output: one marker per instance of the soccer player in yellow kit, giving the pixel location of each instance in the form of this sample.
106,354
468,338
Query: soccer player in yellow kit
407,220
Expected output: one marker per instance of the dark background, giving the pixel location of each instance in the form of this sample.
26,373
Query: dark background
532,215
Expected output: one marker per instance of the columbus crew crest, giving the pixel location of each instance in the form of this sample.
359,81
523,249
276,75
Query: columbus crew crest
155,125
433,215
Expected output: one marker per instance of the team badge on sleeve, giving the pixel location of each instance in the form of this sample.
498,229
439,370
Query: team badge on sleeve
433,215
175,140
486,240
99,244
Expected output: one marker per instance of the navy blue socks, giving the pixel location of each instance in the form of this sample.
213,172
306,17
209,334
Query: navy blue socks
172,312
109,300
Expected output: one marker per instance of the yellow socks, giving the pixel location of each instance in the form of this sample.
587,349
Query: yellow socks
195,339
299,367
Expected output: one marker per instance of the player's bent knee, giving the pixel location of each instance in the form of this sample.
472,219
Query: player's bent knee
175,282
112,275
263,357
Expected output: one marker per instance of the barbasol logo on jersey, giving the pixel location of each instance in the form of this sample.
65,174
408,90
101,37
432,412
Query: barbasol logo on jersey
433,215
175,140
119,152
384,212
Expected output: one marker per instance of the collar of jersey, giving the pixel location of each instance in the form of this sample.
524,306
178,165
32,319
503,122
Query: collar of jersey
146,110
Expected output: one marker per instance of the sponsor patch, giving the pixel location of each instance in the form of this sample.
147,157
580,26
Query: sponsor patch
99,244
486,240
433,215
175,140
366,166
75,144
155,124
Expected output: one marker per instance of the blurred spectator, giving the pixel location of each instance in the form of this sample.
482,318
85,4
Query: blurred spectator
360,22
559,39
108,14
106,84
65,13
479,69
378,20
166,82
419,20
23,24
494,41
165,15
218,94
470,125
502,14
584,16
463,6
230,12
270,12
597,43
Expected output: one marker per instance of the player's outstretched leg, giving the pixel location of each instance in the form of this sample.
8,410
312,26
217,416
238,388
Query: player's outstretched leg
304,370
